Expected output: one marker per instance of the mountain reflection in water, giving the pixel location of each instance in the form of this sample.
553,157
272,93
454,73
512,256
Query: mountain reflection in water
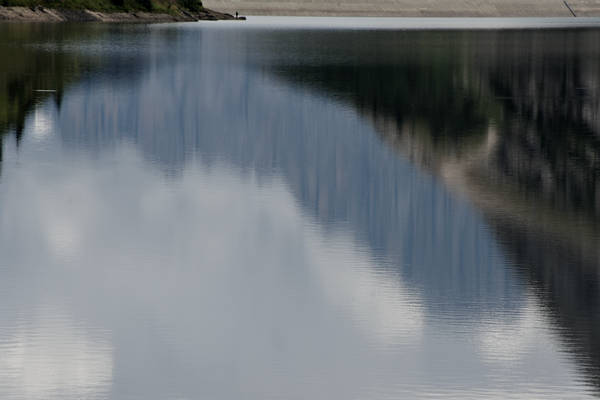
386,139
510,120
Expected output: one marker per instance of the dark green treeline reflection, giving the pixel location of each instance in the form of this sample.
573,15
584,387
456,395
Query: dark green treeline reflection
40,61
24,70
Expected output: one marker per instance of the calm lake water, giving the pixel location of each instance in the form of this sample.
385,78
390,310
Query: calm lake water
274,210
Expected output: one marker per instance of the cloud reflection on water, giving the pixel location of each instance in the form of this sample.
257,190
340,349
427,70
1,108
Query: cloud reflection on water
197,221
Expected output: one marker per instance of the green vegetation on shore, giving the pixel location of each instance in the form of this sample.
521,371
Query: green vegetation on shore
163,6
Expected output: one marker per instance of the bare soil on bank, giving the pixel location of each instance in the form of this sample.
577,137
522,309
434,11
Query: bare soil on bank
42,14
411,8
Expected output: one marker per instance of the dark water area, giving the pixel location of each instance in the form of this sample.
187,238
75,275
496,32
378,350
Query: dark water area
225,210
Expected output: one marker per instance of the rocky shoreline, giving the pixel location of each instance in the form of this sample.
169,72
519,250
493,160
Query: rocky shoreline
43,14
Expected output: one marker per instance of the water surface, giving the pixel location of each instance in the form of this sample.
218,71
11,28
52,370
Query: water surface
228,211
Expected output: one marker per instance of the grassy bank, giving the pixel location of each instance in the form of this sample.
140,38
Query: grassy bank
163,6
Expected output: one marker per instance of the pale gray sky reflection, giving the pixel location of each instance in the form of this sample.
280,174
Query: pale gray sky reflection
120,282
210,216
